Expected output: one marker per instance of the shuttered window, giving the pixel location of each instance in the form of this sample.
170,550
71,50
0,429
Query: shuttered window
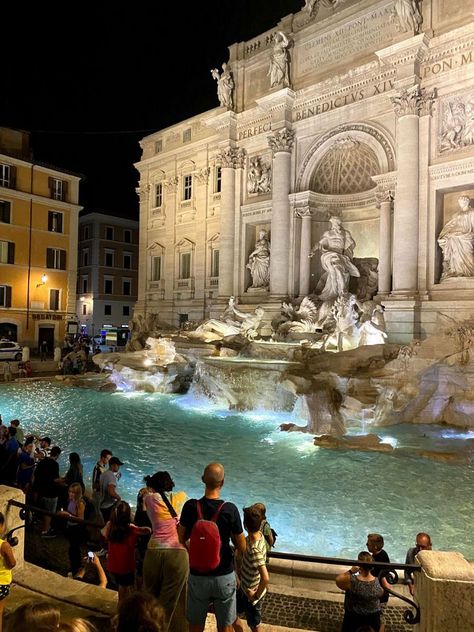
7,252
56,258
55,222
5,211
53,300
7,176
5,296
58,189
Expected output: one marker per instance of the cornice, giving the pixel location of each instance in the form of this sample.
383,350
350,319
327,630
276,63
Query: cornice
39,199
455,168
408,51
276,101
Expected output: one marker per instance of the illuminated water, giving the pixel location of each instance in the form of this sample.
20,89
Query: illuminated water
320,502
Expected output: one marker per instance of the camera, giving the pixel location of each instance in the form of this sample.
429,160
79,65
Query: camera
90,556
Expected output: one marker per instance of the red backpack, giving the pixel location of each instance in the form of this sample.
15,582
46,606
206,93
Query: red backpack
205,542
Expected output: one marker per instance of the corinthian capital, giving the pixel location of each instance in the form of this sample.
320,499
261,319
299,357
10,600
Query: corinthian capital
414,100
282,140
384,194
231,157
143,191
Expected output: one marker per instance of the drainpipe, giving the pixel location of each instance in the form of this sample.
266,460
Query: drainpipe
29,252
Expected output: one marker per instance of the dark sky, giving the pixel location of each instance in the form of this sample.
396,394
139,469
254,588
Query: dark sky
92,84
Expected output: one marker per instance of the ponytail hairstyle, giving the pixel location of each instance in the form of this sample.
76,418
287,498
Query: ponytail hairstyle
120,520
160,482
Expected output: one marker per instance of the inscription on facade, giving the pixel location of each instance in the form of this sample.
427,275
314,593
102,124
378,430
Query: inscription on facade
445,65
46,316
345,99
368,32
255,130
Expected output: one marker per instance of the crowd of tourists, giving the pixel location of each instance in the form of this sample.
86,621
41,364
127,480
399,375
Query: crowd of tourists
174,558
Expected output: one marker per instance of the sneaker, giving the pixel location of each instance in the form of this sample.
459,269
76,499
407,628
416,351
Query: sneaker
101,553
48,534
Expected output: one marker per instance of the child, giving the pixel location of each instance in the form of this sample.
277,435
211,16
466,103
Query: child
122,537
268,533
253,572
7,562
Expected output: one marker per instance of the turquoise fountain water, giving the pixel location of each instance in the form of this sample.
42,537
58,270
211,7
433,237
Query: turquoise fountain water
319,501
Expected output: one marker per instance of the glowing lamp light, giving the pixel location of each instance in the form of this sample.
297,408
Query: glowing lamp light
44,278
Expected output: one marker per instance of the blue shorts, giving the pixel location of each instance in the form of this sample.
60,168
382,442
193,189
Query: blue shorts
253,613
204,590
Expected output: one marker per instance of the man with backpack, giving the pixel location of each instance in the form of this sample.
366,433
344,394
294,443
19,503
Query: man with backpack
207,527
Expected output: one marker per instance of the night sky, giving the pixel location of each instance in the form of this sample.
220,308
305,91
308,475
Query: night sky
92,84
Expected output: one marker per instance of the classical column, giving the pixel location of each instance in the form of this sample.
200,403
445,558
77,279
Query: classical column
227,158
384,203
305,249
405,220
281,143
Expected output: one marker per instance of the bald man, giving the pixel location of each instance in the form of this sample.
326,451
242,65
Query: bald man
216,586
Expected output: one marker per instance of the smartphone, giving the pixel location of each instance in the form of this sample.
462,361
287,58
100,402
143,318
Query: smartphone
90,556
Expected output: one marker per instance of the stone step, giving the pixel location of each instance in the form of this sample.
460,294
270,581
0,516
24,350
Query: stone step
211,627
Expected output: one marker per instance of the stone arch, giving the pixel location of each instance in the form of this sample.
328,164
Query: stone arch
375,151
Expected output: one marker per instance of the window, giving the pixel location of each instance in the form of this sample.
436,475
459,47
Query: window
158,195
109,233
7,252
58,189
156,269
56,258
5,211
215,263
107,310
84,310
187,187
108,286
125,310
7,176
127,260
127,236
85,257
5,296
85,285
109,258
55,222
158,146
54,300
187,135
86,232
218,180
126,287
185,265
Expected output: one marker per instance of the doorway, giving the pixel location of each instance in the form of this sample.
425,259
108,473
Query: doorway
9,331
46,333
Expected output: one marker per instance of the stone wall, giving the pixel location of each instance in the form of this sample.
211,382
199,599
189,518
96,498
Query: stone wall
12,519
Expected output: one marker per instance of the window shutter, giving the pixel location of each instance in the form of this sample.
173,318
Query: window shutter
8,296
49,258
51,186
12,177
11,252
59,222
65,192
50,220
62,259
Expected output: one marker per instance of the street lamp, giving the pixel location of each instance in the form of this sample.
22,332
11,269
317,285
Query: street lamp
44,278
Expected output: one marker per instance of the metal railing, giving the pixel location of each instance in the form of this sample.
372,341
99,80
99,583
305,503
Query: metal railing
388,572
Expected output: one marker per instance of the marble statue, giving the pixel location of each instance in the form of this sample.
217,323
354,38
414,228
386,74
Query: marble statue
258,176
225,86
456,240
337,248
311,7
279,70
231,323
372,327
408,14
259,261
457,124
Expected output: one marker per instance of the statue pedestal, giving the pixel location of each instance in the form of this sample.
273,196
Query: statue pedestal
257,290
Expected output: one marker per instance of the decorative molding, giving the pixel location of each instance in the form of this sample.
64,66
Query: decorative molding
202,175
413,100
143,192
281,140
454,169
171,184
231,158
302,211
456,123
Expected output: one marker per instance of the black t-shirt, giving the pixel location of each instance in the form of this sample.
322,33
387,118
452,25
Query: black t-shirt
381,556
228,523
46,471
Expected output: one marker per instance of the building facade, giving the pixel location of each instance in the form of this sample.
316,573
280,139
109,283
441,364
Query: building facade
38,246
107,281
360,109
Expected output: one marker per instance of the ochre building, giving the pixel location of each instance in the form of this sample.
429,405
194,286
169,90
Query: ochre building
38,246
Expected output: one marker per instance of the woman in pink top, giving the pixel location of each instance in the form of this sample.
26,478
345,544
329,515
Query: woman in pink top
166,566
122,536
